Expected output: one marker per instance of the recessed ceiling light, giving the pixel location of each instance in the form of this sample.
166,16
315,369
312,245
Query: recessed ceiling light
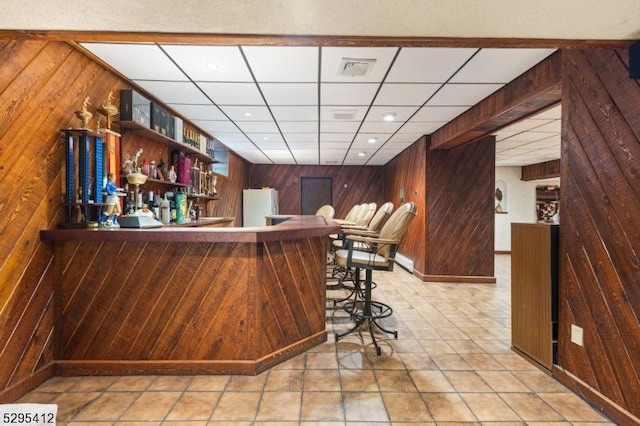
362,154
390,116
372,140
266,138
212,66
247,114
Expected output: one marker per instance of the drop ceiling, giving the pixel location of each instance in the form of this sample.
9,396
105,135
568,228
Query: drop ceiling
298,105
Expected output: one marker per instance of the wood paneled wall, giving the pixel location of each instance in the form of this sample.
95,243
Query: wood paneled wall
363,184
41,85
600,231
406,174
460,211
230,190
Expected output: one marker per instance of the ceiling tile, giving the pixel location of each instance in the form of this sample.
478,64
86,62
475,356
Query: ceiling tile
339,127
236,136
298,126
283,63
301,137
333,56
198,112
290,93
258,126
347,94
150,61
272,145
438,113
336,137
297,113
210,63
462,94
401,113
174,92
381,127
428,64
264,137
233,93
216,127
280,156
343,113
512,62
421,127
247,112
405,94
331,145
303,145
553,127
405,137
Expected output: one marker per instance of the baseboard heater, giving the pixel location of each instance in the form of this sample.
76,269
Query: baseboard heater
405,262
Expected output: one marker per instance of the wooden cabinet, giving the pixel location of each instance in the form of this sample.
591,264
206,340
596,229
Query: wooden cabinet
534,291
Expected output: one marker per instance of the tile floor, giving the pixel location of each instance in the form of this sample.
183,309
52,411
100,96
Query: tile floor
451,364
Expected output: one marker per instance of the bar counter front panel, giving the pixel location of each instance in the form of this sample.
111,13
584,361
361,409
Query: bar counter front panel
189,301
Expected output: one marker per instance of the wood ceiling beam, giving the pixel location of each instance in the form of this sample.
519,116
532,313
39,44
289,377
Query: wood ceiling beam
535,90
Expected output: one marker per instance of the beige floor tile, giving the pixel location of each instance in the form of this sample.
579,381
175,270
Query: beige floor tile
322,360
170,383
38,398
247,383
71,403
572,408
364,407
235,406
405,407
131,383
448,407
108,406
489,407
284,380
502,381
539,381
482,361
417,361
395,381
438,346
194,406
450,362
151,406
530,407
514,362
358,380
91,384
280,406
322,407
56,384
467,381
431,381
321,380
208,383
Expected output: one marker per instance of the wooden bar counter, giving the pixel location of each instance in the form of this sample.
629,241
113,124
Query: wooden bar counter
189,300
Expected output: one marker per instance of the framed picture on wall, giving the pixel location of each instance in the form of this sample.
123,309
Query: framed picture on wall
500,197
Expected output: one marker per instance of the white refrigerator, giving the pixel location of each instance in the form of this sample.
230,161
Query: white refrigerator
257,204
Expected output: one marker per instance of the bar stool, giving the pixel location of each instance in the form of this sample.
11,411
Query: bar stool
379,257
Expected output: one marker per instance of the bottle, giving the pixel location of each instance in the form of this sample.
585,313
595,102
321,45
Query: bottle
165,215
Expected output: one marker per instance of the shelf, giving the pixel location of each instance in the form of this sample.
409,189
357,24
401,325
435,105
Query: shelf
163,182
203,197
148,133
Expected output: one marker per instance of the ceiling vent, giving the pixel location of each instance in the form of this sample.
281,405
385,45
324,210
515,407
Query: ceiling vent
355,67
344,114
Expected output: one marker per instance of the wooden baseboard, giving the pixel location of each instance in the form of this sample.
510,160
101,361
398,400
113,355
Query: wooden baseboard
472,279
15,392
184,367
598,401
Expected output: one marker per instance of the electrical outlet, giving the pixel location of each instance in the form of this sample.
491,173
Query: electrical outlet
576,335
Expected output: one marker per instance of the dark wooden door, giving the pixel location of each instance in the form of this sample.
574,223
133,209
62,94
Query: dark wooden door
314,193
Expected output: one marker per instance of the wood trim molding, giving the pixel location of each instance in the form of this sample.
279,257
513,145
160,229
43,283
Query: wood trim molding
12,393
469,279
502,252
612,410
548,169
302,40
534,91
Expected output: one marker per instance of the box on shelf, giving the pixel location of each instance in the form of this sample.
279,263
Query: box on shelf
135,107
161,121
178,125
